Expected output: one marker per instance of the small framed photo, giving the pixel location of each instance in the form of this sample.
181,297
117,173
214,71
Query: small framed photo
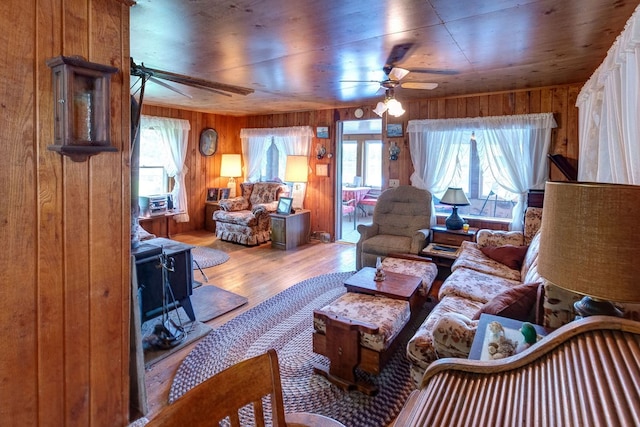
223,193
394,130
212,194
284,206
322,132
322,169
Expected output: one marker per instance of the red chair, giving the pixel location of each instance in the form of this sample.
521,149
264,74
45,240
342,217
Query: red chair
349,208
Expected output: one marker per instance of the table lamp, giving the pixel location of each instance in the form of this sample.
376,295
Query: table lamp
231,167
296,172
588,243
454,196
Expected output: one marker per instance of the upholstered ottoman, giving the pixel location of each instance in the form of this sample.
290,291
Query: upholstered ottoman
358,331
413,266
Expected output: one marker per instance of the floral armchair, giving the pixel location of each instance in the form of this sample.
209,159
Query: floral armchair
245,219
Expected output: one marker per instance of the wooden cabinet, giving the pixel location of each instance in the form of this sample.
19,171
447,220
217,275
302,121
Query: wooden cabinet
209,209
290,231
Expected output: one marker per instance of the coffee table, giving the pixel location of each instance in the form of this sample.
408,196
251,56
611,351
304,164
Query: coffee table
395,285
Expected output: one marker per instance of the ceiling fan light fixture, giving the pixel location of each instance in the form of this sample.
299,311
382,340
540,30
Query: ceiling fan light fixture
380,108
394,107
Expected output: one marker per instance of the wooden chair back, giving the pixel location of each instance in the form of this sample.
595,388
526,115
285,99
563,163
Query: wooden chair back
222,395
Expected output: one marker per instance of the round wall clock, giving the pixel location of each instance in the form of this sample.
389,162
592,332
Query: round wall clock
358,113
208,142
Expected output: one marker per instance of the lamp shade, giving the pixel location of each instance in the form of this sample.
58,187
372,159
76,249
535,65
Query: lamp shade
454,196
231,166
297,169
588,243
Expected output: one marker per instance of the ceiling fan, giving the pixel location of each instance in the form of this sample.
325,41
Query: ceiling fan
154,75
395,74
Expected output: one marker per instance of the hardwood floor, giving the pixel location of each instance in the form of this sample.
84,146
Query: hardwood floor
255,272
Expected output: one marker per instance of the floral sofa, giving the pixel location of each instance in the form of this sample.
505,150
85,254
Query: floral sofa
478,283
245,219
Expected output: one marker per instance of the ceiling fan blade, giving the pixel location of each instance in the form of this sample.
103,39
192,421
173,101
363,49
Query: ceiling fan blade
419,85
397,54
434,71
168,86
216,87
397,73
360,81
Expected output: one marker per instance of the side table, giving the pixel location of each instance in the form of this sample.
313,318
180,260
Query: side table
290,231
209,209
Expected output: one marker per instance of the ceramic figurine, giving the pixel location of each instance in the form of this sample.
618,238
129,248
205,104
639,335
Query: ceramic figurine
379,277
530,337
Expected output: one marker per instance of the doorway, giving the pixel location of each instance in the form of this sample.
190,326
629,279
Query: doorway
359,175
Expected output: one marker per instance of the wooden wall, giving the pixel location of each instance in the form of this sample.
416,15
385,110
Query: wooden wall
65,225
320,195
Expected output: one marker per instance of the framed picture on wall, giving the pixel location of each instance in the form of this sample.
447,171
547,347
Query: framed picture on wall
322,169
322,132
212,194
394,130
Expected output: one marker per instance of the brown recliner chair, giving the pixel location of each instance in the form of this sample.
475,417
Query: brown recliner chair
401,224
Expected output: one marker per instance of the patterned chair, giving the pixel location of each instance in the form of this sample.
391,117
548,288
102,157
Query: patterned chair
245,219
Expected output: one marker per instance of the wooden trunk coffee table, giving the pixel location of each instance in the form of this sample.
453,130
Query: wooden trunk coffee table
395,285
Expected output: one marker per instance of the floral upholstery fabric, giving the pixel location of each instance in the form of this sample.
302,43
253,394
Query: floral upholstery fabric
245,219
389,315
474,285
476,279
421,350
499,238
532,223
425,270
472,258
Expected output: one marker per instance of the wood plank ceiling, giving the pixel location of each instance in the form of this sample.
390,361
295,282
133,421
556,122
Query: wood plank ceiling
296,55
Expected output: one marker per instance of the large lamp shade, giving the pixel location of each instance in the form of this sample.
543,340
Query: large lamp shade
588,243
231,167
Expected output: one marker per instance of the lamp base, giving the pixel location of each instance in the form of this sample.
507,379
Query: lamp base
231,185
454,222
588,306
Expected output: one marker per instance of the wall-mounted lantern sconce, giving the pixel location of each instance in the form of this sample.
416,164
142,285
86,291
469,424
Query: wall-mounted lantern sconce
81,111
320,151
394,151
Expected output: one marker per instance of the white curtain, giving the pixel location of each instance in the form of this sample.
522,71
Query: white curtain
294,140
514,148
609,125
434,146
254,147
174,133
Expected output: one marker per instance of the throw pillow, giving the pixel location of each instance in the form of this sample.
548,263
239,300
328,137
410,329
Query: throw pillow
516,303
509,255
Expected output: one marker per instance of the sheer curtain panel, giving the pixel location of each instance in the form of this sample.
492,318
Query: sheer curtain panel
609,128
174,133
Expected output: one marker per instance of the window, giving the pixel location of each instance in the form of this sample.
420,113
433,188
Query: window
270,163
372,163
486,197
152,175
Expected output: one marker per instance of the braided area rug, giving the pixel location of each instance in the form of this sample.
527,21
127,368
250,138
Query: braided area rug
206,257
285,323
